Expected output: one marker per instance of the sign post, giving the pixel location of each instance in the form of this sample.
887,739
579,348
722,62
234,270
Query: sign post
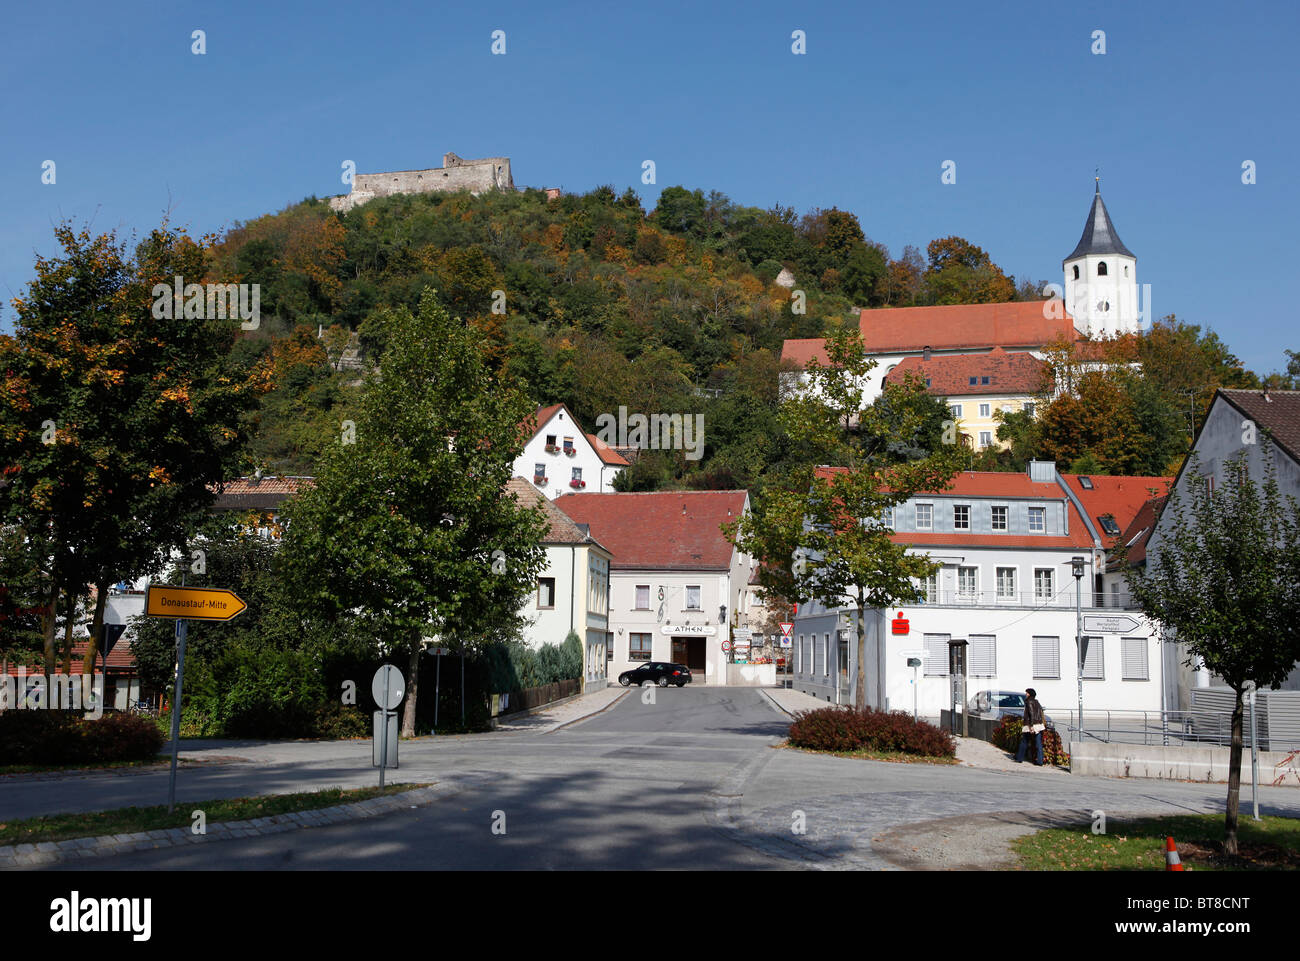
185,604
388,688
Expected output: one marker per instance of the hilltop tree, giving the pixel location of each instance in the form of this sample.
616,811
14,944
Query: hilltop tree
1223,576
410,531
961,273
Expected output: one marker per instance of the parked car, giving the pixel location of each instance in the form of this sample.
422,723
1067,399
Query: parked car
660,672
998,704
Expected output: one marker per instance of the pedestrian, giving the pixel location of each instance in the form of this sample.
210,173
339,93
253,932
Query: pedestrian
1031,728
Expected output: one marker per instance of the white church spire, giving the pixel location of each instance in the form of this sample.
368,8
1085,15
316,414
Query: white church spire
1101,276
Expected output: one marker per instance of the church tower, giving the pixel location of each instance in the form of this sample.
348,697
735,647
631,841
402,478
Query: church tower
1101,277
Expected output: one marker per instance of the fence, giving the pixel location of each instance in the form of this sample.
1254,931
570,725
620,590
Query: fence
1207,724
531,697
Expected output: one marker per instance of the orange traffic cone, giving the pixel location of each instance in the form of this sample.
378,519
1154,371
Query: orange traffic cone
1171,856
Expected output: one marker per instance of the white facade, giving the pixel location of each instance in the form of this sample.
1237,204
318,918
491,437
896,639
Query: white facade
573,595
568,461
675,616
1104,294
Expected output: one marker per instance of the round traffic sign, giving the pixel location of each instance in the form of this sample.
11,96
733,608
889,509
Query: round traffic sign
726,645
390,678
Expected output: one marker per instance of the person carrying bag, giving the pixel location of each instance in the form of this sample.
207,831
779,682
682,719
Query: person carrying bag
1032,728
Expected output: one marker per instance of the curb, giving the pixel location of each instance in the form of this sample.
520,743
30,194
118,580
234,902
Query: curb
774,702
592,714
54,852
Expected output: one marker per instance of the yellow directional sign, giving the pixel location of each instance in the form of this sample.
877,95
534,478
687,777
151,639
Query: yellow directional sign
192,603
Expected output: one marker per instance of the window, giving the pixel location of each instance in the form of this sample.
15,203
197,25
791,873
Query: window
577,473
984,381
1037,520
930,589
1085,482
639,647
999,518
961,517
798,656
1126,270
693,597
546,592
982,656
1133,658
927,382
814,654
642,597
1108,524
955,410
974,381
539,473
1094,666
1047,658
936,655
550,440
1043,577
1076,271
967,580
1029,410
924,517
568,444
1101,269
888,518
985,410
986,438
1006,583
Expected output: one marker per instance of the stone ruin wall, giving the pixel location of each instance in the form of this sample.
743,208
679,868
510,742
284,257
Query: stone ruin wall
476,176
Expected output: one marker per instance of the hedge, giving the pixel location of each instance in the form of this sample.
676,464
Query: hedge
59,737
1007,736
846,729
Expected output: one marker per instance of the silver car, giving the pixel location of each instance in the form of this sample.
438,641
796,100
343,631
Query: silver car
998,704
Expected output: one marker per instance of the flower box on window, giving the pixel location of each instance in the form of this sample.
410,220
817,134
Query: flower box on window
571,451
577,484
552,448
539,478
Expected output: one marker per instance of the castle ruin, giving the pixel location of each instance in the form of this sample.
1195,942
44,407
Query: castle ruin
476,176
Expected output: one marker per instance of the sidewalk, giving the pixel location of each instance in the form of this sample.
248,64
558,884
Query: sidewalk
972,752
790,701
550,717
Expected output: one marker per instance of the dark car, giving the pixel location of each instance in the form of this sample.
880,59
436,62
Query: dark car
659,672
998,704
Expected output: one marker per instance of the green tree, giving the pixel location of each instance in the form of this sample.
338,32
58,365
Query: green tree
410,529
822,533
1223,574
117,415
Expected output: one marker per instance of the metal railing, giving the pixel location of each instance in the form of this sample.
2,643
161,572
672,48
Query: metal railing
1171,728
1060,600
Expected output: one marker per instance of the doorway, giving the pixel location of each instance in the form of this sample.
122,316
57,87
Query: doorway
842,669
691,652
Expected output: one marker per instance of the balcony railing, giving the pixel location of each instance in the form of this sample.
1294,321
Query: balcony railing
1062,600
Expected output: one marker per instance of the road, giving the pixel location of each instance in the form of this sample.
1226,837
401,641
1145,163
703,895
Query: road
694,779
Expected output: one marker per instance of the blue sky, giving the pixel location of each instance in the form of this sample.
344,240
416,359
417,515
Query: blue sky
1011,92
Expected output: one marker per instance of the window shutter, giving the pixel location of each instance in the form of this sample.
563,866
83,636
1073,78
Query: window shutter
1094,667
1133,658
982,656
1047,657
936,655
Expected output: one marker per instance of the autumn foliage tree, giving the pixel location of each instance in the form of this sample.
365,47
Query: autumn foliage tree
113,421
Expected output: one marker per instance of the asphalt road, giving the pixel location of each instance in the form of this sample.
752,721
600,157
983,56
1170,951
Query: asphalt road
691,779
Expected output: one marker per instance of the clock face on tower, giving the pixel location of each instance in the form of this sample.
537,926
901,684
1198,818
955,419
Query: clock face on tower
1103,306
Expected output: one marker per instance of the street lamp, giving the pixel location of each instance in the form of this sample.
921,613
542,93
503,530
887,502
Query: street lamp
1076,568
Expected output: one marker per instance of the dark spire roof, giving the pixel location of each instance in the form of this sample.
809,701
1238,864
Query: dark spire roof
1099,236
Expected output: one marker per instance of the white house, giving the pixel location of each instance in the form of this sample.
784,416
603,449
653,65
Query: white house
1006,543
573,591
675,581
1262,425
559,458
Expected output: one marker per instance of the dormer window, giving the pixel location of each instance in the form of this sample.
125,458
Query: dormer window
1101,269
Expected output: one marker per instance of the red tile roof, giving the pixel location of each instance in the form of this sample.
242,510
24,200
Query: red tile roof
121,660
1138,532
1120,497
950,374
606,453
534,422
562,529
247,493
894,330
664,530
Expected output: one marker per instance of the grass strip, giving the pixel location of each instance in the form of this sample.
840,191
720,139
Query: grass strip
866,754
1272,844
134,820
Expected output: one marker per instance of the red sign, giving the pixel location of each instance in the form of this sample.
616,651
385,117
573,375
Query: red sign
900,624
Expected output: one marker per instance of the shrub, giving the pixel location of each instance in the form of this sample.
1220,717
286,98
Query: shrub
1007,736
335,721
846,729
58,737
